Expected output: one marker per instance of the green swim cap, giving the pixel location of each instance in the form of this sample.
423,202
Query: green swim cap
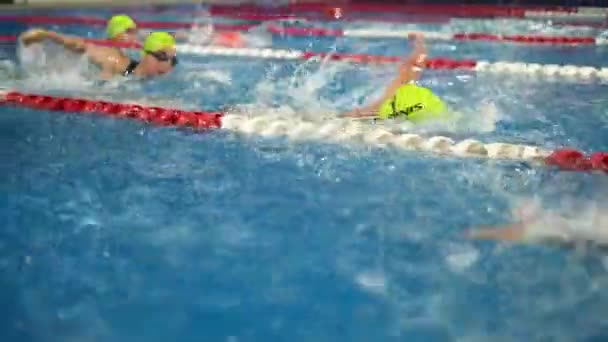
158,41
413,103
119,24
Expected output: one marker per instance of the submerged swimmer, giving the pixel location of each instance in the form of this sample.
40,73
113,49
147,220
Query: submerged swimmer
158,53
403,99
549,228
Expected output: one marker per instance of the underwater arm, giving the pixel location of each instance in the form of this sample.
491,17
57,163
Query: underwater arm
511,233
552,229
409,70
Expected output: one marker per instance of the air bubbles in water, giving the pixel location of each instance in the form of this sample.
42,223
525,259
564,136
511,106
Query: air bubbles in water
372,281
461,257
258,36
201,33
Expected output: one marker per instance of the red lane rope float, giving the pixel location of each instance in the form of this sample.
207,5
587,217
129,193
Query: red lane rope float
155,115
434,63
573,160
8,38
471,11
42,20
260,16
335,14
305,31
565,159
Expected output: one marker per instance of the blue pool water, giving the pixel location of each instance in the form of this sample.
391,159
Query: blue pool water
118,231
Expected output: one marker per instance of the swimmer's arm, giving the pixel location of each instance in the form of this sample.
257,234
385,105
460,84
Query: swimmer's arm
520,233
510,233
409,70
108,60
74,44
372,109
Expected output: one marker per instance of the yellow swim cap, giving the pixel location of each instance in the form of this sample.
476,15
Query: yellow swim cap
158,41
119,24
413,103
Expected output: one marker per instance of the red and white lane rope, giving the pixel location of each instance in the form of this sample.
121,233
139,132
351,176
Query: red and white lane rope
395,33
315,31
471,11
336,130
592,14
532,69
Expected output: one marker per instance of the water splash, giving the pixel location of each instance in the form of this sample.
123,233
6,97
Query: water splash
50,67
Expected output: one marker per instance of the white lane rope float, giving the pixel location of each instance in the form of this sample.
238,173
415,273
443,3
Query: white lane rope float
532,69
331,130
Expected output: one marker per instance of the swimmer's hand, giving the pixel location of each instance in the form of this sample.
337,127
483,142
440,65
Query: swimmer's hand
419,55
33,36
412,66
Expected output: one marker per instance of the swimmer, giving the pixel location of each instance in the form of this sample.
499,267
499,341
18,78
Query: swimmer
403,99
158,54
549,228
111,60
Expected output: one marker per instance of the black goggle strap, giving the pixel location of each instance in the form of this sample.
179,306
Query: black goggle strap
162,56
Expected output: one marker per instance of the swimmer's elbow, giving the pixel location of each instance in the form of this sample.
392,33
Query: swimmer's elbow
410,73
76,45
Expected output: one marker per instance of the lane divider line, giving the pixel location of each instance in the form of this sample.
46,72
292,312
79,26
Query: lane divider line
343,12
334,130
531,69
470,11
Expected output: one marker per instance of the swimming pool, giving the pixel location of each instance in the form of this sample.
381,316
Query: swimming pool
120,231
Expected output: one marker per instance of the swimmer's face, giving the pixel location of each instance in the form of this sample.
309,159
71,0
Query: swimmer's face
129,35
161,62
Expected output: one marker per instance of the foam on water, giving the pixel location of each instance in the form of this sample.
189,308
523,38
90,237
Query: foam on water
506,26
258,36
53,61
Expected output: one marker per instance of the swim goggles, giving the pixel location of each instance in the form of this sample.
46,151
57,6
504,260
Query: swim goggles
163,57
